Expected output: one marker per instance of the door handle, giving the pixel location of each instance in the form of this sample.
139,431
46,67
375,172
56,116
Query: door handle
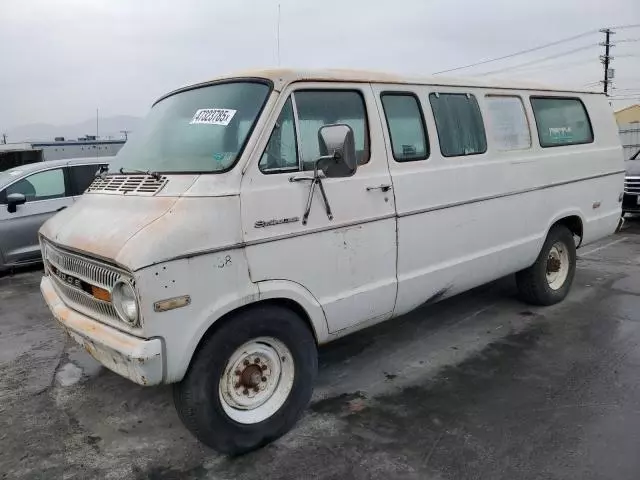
384,188
60,209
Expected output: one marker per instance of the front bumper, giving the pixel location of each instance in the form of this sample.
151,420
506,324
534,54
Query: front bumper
141,361
630,203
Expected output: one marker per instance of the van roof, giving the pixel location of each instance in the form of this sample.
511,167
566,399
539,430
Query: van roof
282,77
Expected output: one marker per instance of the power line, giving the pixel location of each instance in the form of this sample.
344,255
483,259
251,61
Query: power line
532,62
637,89
555,66
521,52
622,27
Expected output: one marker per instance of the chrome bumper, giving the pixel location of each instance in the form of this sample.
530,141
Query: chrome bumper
141,361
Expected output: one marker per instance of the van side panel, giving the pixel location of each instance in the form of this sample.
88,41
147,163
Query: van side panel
466,220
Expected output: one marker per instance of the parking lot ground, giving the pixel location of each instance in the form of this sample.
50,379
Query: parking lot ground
479,386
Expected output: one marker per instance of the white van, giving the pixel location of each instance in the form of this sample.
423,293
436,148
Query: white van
255,217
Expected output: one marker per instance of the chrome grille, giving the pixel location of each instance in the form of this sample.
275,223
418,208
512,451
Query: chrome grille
632,185
90,271
144,184
85,303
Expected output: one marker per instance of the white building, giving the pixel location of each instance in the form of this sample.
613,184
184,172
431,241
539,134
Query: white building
14,154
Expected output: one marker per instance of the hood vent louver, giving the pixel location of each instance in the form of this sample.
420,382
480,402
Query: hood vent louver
125,184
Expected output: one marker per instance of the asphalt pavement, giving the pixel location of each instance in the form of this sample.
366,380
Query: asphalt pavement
479,386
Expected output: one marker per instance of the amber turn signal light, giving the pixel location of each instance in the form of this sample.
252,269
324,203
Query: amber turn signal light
100,294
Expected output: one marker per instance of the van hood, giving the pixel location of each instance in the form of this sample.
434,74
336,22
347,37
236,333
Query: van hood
138,231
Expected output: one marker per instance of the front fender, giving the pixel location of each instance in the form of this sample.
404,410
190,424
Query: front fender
222,306
285,289
218,284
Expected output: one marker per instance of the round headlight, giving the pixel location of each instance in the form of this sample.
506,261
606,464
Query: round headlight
125,302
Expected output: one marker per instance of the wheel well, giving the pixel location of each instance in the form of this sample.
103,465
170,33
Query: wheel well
573,223
281,302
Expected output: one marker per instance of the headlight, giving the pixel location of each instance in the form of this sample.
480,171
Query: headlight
125,302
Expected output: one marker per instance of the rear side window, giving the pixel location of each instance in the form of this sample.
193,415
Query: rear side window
561,121
406,126
81,177
459,124
509,126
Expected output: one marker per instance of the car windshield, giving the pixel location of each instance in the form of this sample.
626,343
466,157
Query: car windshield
201,130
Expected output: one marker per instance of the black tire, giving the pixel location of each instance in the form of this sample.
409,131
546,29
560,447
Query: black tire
197,399
532,282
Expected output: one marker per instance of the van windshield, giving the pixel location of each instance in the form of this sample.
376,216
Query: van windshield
201,130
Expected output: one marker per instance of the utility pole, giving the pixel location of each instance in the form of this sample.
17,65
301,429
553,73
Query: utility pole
606,59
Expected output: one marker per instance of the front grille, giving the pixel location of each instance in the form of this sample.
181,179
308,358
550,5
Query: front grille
87,304
632,185
142,184
87,270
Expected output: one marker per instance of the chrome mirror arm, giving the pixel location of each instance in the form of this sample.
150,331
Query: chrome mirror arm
315,180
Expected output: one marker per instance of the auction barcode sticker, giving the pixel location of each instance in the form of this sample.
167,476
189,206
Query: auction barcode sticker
213,116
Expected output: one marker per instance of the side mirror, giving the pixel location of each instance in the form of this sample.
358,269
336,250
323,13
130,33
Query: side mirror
338,151
13,200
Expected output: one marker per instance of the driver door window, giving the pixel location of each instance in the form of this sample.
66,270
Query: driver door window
40,186
314,108
317,108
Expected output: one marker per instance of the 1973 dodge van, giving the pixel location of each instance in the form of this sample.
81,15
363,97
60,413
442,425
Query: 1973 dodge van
255,217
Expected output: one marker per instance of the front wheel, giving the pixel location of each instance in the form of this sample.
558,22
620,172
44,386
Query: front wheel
250,381
549,279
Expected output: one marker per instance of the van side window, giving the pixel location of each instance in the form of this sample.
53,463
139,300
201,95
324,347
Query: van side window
281,154
406,126
561,121
459,124
323,107
509,125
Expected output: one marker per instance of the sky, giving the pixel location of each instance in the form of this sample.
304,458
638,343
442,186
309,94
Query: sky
62,59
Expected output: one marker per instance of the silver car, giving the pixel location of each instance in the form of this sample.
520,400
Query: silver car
32,193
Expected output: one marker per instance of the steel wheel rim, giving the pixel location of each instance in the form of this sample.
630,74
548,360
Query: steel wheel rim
557,266
257,380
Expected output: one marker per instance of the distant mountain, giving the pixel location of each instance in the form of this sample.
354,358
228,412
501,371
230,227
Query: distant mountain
109,127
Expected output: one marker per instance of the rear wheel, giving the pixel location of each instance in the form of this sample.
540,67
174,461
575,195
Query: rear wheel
250,381
549,279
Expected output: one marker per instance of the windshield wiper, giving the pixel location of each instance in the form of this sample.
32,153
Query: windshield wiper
155,175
